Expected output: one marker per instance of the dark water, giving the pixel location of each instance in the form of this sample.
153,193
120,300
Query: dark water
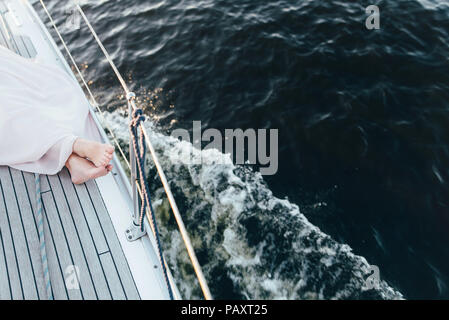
364,136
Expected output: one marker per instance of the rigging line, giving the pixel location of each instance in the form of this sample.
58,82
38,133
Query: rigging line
42,243
105,52
181,226
161,173
86,85
140,150
97,106
182,229
180,222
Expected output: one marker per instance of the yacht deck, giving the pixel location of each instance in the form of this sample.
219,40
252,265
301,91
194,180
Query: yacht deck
84,225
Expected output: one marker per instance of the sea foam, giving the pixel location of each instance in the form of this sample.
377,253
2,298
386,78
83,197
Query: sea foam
248,241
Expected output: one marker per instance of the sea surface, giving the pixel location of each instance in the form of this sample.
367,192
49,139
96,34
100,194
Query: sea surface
363,119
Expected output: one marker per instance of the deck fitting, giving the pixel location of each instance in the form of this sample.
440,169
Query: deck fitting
134,233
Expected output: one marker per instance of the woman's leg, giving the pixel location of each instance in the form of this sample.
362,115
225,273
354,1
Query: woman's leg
100,154
82,170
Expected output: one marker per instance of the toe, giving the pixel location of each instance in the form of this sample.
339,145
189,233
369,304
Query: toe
98,162
104,172
109,149
76,180
99,172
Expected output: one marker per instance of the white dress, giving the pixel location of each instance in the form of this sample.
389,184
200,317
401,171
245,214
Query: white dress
42,112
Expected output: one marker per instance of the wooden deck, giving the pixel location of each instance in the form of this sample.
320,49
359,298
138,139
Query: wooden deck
79,233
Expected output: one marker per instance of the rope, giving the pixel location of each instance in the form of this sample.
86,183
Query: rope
139,147
182,229
40,229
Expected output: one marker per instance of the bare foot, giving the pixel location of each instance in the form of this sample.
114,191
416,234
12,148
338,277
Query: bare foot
82,170
100,154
